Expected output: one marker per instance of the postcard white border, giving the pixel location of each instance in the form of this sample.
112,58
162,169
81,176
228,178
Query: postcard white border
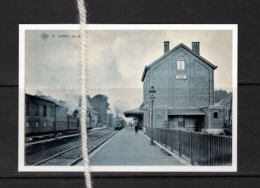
24,27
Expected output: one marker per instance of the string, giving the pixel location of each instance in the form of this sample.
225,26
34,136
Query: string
83,61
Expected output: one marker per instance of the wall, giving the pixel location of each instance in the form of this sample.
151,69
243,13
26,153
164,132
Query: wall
217,123
194,123
214,125
194,91
94,119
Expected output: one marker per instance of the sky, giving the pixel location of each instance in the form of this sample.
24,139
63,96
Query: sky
115,61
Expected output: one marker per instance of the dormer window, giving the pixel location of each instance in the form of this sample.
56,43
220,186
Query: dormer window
180,65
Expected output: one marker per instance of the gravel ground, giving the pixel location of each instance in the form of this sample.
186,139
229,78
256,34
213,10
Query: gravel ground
44,151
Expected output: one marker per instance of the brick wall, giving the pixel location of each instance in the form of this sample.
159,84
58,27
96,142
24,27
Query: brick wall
192,87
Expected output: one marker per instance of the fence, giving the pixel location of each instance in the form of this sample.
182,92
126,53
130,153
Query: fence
197,148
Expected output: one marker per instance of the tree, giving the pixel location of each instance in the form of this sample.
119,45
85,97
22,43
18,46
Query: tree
101,105
221,94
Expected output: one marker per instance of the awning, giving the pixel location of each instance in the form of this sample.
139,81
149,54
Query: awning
134,113
190,112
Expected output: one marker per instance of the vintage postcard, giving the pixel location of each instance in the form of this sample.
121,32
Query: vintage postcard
161,98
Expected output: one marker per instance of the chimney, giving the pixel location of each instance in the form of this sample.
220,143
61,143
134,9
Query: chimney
166,46
196,47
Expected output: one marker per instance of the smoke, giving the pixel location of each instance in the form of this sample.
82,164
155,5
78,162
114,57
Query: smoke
119,107
117,110
66,98
73,103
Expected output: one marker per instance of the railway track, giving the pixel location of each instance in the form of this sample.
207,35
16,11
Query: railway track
72,156
89,151
53,139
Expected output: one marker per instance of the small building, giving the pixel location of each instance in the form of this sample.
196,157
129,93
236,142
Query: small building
214,119
226,103
92,114
184,84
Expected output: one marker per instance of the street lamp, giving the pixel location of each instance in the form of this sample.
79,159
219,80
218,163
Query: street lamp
152,92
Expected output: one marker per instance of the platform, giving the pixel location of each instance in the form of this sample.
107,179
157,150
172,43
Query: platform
128,149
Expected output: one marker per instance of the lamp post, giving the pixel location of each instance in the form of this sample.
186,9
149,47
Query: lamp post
152,92
90,119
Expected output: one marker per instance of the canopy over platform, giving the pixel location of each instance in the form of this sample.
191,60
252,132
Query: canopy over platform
187,112
134,113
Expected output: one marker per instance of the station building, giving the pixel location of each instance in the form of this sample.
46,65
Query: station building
184,98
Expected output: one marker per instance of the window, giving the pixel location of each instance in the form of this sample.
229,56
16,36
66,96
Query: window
36,110
44,110
181,121
52,111
160,115
180,65
215,114
27,110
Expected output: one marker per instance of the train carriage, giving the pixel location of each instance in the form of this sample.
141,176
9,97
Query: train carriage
61,119
39,115
45,117
73,121
49,118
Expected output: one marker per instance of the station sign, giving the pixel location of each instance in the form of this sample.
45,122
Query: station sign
181,77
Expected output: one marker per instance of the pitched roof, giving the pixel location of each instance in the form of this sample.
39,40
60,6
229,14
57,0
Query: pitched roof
44,98
171,51
90,103
224,101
